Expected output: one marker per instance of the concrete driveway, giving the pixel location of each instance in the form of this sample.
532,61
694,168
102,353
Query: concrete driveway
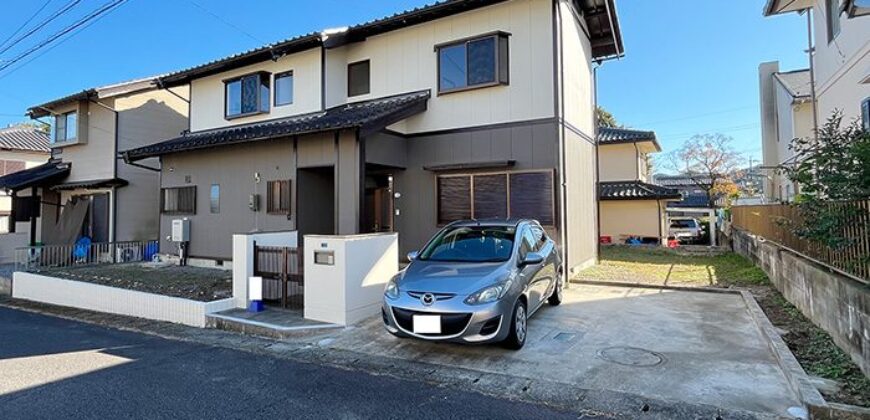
691,346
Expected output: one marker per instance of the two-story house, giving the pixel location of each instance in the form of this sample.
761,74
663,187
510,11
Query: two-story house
460,109
630,206
21,147
786,114
840,54
85,189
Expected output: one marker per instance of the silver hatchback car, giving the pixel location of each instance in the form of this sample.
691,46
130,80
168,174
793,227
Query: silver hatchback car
475,282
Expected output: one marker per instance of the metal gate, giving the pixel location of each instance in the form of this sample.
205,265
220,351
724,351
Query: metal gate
282,273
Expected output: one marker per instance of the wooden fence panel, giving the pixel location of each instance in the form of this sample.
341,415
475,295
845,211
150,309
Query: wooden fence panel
771,221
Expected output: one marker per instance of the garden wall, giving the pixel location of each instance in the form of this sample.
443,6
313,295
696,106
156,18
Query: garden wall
114,300
836,303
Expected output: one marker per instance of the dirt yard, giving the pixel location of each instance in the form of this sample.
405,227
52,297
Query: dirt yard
202,284
813,347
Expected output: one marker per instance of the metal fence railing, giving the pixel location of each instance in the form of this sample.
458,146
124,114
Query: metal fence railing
771,221
34,258
282,273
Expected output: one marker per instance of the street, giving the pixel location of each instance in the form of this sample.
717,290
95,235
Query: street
55,368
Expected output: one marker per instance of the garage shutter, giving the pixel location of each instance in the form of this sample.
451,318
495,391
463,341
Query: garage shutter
454,198
490,196
531,196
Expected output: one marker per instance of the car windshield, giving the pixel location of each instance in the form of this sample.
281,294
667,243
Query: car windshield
471,244
683,224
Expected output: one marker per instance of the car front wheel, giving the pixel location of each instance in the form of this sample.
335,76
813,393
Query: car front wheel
519,327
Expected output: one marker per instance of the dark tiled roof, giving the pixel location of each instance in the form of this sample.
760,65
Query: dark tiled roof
27,139
635,190
367,116
691,200
35,176
600,15
128,86
608,135
680,180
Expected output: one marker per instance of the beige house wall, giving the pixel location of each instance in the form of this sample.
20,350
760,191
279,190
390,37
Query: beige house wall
841,64
619,162
621,218
405,60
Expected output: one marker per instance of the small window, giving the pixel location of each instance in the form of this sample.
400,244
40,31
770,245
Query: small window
214,198
865,114
358,75
284,88
278,197
832,16
477,62
247,95
65,127
178,200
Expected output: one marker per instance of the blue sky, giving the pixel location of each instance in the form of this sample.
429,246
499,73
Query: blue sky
690,67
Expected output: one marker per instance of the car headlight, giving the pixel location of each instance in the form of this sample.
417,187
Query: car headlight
392,289
488,294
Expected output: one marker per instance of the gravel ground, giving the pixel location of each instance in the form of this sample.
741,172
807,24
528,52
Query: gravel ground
202,284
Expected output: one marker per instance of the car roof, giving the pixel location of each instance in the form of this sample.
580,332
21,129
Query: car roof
489,222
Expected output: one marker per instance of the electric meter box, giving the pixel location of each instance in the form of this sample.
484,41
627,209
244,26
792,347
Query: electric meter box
181,230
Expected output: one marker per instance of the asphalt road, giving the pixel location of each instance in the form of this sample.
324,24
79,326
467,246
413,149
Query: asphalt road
55,368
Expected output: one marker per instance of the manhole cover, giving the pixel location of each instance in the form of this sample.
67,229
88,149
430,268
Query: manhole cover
631,356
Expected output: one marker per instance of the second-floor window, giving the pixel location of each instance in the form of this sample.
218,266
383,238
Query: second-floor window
65,127
247,95
832,14
358,76
284,88
475,62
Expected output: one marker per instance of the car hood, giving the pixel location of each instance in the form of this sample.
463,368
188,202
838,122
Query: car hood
451,277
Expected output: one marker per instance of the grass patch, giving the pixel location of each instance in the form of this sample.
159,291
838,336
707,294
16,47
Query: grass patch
812,346
668,267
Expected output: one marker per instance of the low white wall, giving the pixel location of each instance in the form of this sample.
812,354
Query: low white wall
243,258
114,300
352,288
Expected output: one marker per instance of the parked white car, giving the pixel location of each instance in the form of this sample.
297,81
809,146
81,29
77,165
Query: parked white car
685,229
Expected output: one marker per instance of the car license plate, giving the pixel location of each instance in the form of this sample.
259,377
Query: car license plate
427,324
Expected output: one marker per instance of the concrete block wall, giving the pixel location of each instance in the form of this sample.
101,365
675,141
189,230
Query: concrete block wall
113,300
837,304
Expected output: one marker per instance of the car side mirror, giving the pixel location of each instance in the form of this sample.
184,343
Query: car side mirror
532,258
413,255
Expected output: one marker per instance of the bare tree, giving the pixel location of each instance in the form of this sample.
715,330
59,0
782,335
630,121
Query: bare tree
710,162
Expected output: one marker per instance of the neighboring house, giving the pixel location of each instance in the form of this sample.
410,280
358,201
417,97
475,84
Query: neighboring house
460,109
21,147
841,57
630,206
693,196
85,189
786,114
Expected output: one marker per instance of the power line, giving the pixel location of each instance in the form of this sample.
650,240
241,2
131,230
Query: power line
41,25
26,22
47,50
225,22
102,10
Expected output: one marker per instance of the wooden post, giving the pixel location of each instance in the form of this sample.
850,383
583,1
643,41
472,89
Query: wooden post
284,257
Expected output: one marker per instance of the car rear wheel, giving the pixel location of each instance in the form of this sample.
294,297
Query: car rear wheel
519,327
556,297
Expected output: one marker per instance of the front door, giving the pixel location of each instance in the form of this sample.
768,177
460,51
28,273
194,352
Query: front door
379,203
